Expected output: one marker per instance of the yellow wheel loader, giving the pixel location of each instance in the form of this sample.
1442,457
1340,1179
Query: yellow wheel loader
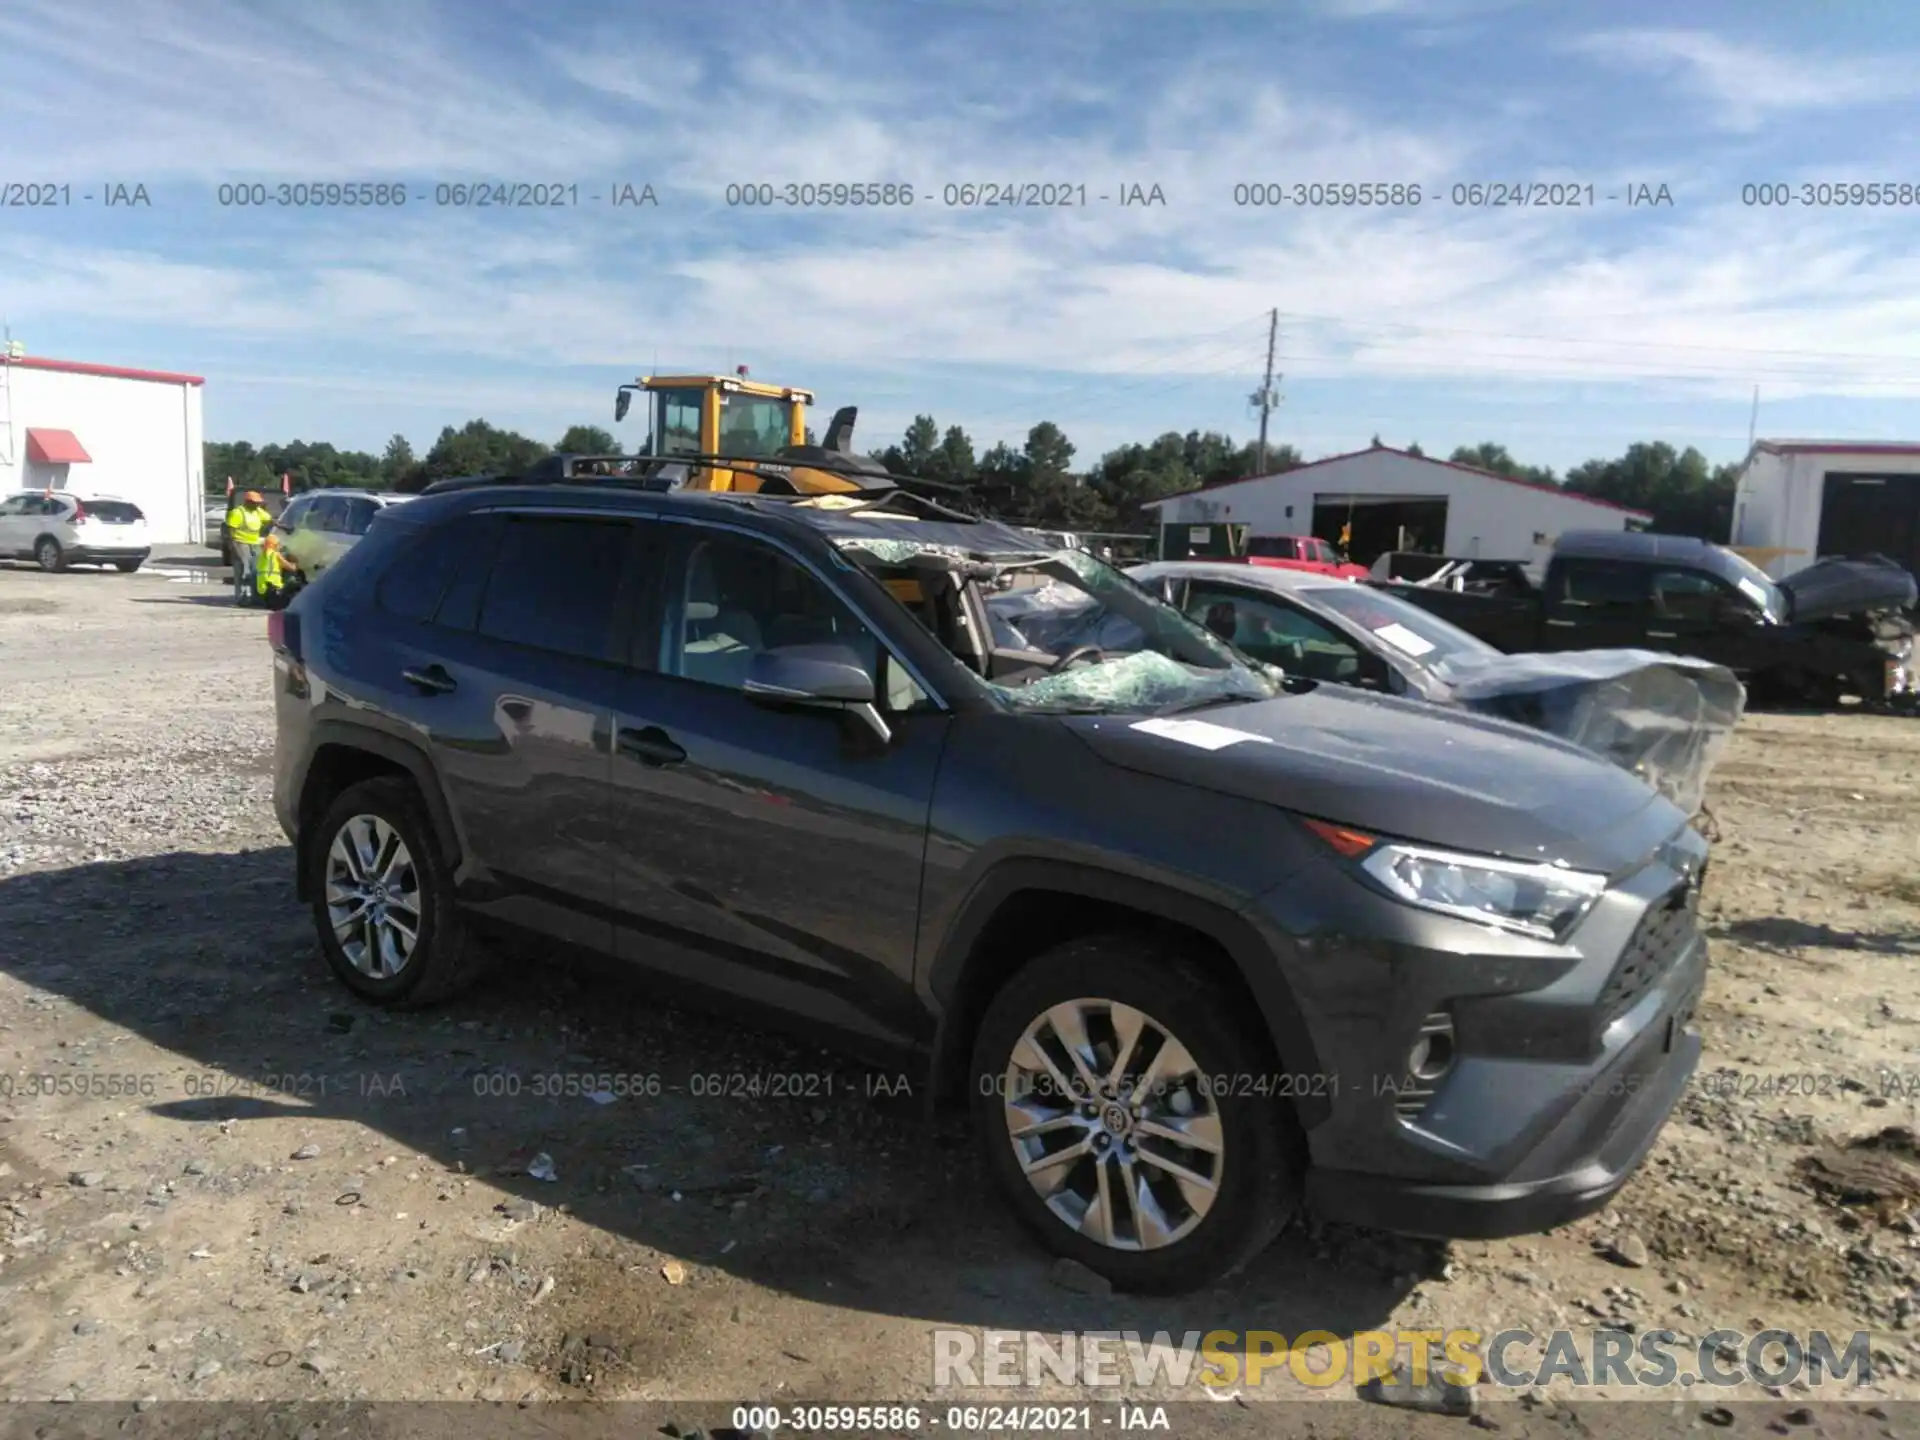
697,424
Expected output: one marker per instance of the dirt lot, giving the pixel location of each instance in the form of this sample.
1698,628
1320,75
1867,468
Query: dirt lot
220,1178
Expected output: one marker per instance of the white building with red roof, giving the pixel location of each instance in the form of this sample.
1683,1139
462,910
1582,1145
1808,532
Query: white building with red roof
1387,499
1803,500
105,430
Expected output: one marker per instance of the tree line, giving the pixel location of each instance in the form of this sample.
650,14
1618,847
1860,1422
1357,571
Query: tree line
1035,484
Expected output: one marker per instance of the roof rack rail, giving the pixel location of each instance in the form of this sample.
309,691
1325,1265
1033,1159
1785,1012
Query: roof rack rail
658,473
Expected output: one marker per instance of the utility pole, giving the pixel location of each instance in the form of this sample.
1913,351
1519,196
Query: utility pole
1753,421
1264,397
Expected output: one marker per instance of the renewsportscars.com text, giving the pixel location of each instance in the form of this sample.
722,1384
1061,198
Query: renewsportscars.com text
1515,1359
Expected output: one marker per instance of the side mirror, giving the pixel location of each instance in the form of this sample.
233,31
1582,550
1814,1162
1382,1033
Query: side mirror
826,676
622,403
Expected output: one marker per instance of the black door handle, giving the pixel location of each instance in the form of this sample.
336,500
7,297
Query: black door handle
650,746
434,679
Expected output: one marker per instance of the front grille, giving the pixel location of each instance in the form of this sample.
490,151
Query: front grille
1663,934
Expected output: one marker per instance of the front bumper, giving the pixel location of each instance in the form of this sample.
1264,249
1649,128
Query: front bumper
1586,1159
1565,1060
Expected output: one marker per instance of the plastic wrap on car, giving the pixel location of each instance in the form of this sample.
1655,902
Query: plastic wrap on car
1667,718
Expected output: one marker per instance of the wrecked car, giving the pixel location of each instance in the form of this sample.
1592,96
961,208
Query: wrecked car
1667,718
1196,946
1837,629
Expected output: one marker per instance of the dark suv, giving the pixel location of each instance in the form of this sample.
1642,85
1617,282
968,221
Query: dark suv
1198,943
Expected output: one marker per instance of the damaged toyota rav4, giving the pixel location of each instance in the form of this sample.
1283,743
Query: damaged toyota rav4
1199,944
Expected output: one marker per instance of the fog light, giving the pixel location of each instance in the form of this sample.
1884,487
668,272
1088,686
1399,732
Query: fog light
1427,1064
1432,1056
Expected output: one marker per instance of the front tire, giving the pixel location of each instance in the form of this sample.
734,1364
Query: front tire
383,905
1162,1174
48,554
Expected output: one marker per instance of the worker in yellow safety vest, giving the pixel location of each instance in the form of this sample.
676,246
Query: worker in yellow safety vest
247,524
269,579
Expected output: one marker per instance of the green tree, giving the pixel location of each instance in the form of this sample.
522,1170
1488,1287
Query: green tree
1413,448
477,448
1684,494
397,461
1489,456
955,461
919,445
587,440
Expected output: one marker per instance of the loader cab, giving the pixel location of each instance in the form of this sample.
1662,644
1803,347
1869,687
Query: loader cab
718,415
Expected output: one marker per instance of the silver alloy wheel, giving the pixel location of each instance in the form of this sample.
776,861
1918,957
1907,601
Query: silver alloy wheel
1112,1124
373,896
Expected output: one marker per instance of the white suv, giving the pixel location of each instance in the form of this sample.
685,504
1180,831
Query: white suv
57,528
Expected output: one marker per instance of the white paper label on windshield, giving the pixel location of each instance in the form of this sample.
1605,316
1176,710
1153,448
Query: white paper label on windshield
1752,591
1201,734
1401,638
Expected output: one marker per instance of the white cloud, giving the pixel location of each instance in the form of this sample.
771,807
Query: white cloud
1743,84
1124,300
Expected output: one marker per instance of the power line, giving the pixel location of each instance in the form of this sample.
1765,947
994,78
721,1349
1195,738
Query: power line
1417,328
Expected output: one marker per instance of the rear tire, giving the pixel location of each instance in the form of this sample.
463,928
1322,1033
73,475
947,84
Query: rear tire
48,554
127,567
416,886
1162,1240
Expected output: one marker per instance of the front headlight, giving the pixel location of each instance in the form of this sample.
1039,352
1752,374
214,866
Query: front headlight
1541,900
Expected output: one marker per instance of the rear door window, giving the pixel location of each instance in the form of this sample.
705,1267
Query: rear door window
554,583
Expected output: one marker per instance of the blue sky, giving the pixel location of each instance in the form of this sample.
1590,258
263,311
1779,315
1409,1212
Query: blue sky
1563,333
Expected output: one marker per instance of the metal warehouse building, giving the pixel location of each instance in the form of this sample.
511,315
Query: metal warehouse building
1799,500
107,430
1398,501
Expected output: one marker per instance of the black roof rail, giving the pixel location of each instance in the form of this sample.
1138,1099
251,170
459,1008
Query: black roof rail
654,473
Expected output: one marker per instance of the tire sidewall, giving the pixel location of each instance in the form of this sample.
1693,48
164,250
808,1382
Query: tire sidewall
47,554
1255,1129
382,801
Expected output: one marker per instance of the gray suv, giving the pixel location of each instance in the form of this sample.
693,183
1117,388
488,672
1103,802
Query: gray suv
1198,943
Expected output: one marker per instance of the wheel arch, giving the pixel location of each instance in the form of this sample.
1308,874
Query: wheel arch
1026,906
342,756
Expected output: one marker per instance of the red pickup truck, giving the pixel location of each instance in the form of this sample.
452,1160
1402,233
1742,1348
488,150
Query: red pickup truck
1301,552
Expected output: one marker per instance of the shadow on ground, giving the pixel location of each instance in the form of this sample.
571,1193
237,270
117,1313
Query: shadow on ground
855,1199
1782,935
220,598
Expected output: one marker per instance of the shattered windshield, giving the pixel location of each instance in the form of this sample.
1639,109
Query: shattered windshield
1065,633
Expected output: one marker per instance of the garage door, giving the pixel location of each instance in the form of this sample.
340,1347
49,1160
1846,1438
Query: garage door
1864,514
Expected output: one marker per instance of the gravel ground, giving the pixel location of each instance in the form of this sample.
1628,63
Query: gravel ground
222,1178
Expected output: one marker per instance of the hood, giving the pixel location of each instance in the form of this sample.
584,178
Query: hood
1847,587
1665,718
1404,769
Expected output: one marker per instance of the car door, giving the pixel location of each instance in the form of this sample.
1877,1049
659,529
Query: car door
512,681
13,524
1595,604
1694,613
773,851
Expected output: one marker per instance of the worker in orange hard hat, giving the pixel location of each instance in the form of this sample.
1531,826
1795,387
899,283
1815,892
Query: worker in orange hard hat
247,525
